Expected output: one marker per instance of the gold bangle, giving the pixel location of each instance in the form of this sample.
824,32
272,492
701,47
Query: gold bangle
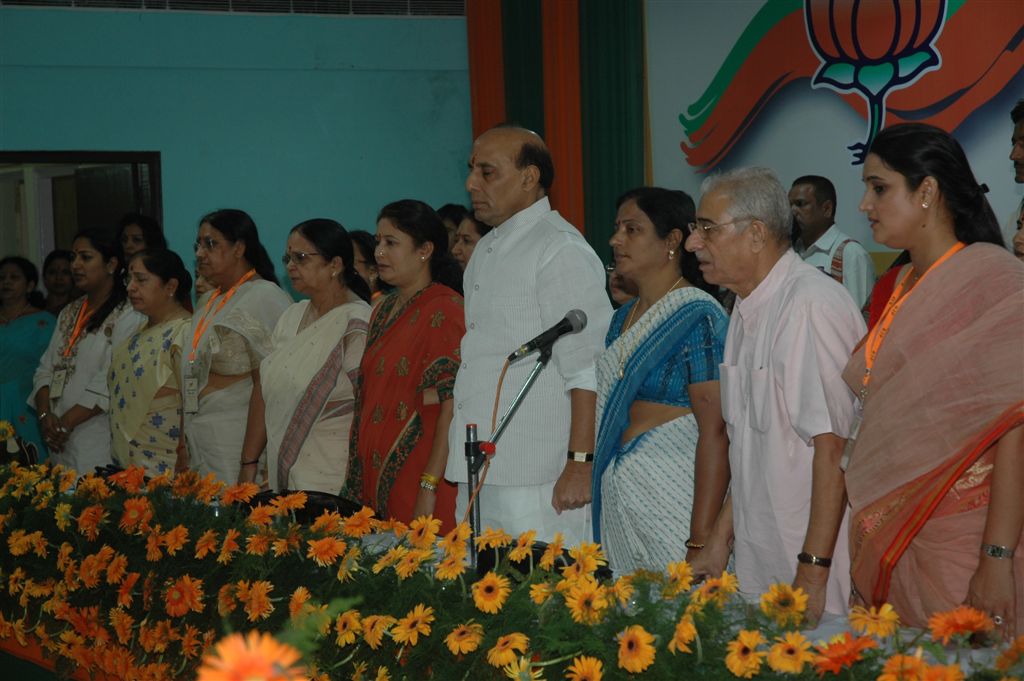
431,480
690,544
428,486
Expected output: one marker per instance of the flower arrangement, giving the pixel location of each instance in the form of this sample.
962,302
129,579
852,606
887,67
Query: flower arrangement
14,448
140,580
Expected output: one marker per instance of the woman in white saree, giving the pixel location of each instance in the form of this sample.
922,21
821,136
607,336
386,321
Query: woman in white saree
228,338
303,397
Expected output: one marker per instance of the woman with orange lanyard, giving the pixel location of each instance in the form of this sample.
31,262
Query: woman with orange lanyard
229,337
935,473
70,386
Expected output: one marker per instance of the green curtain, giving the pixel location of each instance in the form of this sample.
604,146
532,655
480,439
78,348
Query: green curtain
524,63
612,101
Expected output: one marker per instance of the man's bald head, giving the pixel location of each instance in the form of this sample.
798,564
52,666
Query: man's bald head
510,170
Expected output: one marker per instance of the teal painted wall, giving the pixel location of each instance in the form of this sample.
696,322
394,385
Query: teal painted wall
287,117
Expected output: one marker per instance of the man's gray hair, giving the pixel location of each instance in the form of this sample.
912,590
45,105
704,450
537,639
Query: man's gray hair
754,193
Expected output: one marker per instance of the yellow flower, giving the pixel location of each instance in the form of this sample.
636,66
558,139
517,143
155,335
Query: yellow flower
374,628
507,649
410,627
680,579
744,659
587,600
6,430
552,552
636,649
390,557
382,674
62,514
325,551
903,668
584,668
451,567
347,626
465,638
685,633
454,543
790,653
490,593
348,565
256,656
423,531
881,622
622,589
523,546
491,538
358,524
411,561
522,670
541,592
716,590
784,604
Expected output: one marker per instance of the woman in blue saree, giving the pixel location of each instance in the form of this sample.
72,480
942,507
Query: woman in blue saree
661,465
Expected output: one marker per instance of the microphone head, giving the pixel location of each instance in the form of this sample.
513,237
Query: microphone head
577,320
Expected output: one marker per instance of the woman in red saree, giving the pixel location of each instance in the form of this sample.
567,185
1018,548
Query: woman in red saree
936,471
399,446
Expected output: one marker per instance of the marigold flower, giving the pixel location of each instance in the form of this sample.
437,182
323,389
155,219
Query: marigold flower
255,656
358,524
451,567
392,525
116,569
229,547
90,519
382,674
454,543
903,668
153,542
190,642
175,539
507,649
842,651
464,638
622,589
390,557
410,627
122,623
943,672
299,597
258,544
491,592
349,564
288,543
423,531
226,600
61,515
1013,654
588,552
93,487
328,522
241,492
585,668
960,621
130,479
91,571
541,592
492,538
125,591
881,622
685,633
183,595
524,544
411,561
636,649
325,551
206,543
743,658
295,501
552,553
522,669
790,653
256,599
261,515
374,628
348,626
716,590
587,600
784,604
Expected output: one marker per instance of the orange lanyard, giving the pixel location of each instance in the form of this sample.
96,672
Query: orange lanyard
896,300
204,323
80,322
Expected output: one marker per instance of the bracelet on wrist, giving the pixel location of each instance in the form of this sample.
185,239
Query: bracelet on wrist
430,479
580,457
997,551
809,559
690,544
42,416
428,486
251,463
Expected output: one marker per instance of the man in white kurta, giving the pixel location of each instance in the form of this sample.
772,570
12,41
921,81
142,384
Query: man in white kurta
523,277
787,410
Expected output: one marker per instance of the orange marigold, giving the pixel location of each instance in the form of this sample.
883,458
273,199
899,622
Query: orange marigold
784,604
260,516
255,599
190,642
229,547
137,514
117,568
241,492
153,542
328,522
553,552
175,539
130,479
258,544
183,595
255,656
90,519
960,621
943,672
1013,654
226,600
125,591
122,623
903,668
325,551
296,501
684,635
299,598
841,652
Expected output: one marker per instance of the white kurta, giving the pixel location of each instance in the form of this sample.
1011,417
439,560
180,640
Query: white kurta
86,370
858,267
787,345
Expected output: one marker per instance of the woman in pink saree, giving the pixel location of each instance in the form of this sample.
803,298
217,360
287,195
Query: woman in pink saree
936,471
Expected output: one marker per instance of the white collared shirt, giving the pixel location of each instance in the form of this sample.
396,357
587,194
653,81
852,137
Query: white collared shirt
522,278
858,268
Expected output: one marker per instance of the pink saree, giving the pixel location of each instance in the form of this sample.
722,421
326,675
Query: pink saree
947,384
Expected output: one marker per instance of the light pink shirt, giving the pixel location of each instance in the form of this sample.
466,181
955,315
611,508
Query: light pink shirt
787,344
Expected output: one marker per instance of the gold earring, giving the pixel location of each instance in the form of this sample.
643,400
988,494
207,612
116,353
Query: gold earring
924,204
671,254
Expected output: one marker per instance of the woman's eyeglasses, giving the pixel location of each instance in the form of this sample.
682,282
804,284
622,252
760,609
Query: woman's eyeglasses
298,256
207,242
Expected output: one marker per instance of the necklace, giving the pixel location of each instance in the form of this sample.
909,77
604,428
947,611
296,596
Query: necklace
645,320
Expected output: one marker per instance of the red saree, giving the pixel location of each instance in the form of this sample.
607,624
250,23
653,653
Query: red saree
947,383
408,351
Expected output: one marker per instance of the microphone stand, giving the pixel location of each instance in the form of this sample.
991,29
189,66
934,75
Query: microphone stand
477,452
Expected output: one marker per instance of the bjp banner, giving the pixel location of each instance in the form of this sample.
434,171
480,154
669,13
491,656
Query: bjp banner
933,61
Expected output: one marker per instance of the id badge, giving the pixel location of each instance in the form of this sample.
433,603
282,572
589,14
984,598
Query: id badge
844,462
191,395
60,377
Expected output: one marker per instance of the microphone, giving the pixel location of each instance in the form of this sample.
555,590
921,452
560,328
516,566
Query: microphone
574,321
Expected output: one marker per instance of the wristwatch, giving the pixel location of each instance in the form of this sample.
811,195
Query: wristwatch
809,559
581,457
996,551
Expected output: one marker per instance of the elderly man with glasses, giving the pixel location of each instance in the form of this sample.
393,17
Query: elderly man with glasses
787,411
